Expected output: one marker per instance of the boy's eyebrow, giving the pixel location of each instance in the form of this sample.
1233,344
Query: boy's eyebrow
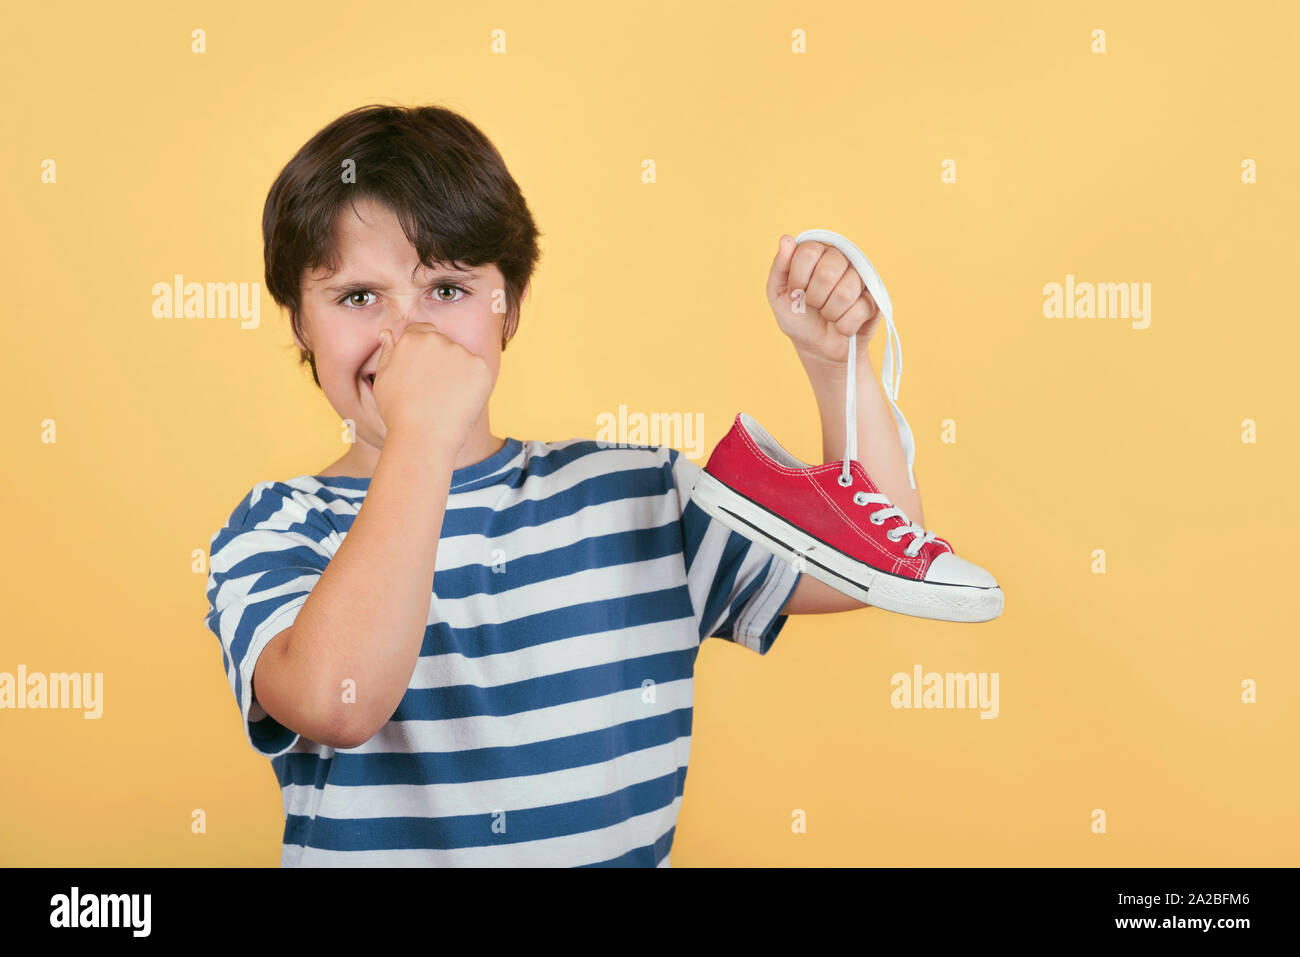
443,272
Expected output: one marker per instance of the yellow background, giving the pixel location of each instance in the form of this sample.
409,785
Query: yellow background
1118,691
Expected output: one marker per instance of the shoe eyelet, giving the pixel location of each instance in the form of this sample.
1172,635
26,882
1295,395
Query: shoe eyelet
845,481
890,535
860,498
876,521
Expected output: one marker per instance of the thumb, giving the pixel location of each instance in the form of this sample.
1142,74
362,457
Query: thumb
385,349
778,277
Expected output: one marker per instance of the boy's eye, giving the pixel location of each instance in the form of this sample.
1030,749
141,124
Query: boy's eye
453,287
348,298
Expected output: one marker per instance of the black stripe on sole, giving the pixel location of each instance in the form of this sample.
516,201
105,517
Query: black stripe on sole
865,589
829,546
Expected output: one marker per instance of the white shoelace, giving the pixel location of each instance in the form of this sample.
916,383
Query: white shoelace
891,377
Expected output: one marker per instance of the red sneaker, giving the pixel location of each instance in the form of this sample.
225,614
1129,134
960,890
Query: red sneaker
819,517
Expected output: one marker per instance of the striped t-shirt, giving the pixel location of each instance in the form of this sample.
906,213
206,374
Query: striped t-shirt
548,720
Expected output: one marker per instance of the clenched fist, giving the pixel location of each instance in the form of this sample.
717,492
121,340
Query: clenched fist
819,300
430,384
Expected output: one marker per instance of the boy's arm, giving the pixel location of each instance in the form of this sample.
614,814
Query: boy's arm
365,618
812,597
819,301
879,449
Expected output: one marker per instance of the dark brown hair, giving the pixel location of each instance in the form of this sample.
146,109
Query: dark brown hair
439,174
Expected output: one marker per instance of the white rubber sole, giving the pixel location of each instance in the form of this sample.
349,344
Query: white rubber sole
906,596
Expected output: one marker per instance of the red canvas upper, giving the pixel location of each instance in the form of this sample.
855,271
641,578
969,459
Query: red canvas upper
813,499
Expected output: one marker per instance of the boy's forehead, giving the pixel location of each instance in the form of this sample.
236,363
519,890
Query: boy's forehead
373,246
370,246
373,268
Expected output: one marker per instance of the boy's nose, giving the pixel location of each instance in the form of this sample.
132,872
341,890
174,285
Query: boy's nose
400,324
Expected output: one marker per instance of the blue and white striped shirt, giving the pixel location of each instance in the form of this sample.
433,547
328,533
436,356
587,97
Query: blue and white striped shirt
548,720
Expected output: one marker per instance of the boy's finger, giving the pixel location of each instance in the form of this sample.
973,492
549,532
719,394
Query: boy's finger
854,319
385,347
802,263
779,275
846,294
826,275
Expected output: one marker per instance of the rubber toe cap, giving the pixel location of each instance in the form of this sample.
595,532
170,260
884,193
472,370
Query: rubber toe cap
948,569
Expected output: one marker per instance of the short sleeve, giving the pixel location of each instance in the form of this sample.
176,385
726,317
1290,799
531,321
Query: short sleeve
262,565
736,586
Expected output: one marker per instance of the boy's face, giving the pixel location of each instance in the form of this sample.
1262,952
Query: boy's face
373,290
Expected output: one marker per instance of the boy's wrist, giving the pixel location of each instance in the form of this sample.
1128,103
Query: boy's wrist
420,447
829,377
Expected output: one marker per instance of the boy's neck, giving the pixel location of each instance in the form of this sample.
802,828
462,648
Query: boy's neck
362,459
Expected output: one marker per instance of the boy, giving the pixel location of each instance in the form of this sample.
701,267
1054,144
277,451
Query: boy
457,648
